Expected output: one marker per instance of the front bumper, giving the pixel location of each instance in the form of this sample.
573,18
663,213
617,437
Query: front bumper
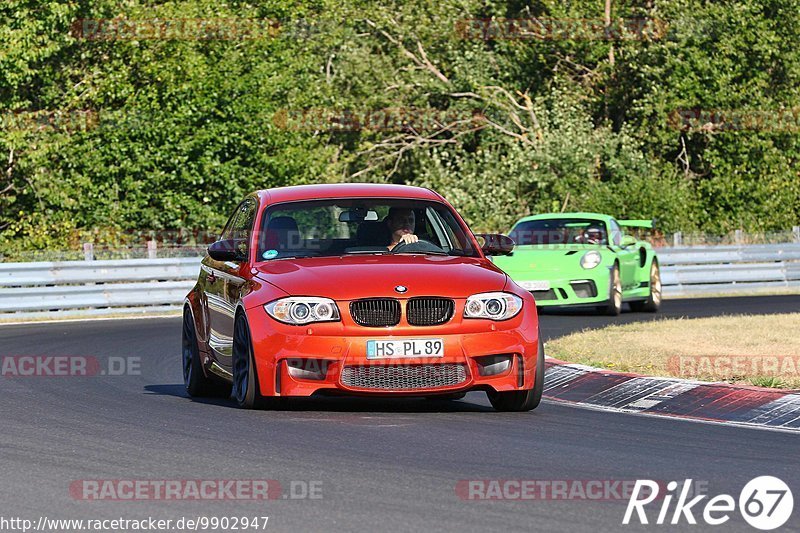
285,356
571,290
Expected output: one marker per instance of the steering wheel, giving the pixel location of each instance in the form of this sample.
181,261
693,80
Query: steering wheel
419,246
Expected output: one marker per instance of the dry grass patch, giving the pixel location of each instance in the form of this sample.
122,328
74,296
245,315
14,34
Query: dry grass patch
761,350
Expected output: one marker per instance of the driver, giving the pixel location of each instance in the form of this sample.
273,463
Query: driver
593,235
401,223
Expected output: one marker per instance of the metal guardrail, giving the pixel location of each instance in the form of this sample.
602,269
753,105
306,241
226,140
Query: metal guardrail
703,270
74,287
136,285
112,271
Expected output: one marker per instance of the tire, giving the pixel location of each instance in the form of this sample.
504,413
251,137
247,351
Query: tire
614,306
245,379
522,400
653,302
246,391
195,381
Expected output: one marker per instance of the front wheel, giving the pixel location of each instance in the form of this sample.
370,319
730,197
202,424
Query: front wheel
195,381
653,302
522,400
614,306
245,377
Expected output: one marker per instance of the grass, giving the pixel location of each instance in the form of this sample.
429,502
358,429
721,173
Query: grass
761,350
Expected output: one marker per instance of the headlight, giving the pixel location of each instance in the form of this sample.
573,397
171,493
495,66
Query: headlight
591,259
299,310
493,305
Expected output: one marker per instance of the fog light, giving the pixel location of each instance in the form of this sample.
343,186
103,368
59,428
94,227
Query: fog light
492,365
315,369
584,288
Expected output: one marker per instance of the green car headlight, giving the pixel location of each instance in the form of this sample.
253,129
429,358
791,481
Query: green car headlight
591,259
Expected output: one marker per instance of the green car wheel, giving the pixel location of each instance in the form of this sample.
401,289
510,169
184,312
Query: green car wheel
653,302
614,307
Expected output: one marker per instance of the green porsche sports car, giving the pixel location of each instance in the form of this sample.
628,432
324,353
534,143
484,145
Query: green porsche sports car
584,259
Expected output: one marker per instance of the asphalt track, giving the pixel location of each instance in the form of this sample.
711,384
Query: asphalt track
382,465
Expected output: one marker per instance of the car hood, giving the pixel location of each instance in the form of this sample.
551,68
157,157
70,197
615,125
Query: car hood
360,276
545,258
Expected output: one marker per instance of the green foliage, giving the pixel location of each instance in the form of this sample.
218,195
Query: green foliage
179,130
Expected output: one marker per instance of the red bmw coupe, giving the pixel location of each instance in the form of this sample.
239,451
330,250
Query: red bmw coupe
358,289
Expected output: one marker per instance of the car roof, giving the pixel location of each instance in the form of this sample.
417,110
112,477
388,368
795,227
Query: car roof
552,216
345,190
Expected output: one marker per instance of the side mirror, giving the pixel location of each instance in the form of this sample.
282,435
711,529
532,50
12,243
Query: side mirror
496,244
628,240
228,250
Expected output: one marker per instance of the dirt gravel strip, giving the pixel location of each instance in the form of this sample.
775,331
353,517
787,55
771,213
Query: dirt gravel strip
695,400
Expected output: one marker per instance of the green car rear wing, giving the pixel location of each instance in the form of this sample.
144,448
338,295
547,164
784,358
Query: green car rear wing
637,223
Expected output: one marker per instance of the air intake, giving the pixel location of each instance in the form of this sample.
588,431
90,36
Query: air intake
375,312
429,311
403,377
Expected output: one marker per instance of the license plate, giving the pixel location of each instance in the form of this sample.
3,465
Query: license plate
405,348
535,285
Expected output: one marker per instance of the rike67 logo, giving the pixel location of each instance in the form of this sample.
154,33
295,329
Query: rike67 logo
765,503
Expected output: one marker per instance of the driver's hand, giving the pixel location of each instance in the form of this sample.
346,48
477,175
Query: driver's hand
408,238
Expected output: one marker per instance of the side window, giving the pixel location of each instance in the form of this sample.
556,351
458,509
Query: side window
243,225
240,224
615,233
228,229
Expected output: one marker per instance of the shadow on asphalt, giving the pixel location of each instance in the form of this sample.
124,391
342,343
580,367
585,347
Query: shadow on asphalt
587,311
340,403
178,390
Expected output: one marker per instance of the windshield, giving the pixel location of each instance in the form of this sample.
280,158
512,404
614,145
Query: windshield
560,231
324,228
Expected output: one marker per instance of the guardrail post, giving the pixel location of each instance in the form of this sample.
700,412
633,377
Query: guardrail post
152,247
737,236
796,233
88,251
677,239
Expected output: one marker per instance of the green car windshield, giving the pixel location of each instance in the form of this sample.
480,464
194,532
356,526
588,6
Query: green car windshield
559,231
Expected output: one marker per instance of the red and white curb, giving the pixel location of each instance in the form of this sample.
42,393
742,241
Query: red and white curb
695,400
